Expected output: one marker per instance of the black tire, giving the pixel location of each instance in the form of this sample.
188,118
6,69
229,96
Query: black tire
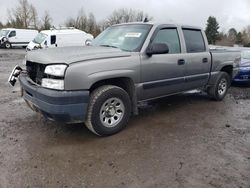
88,42
219,90
109,110
7,45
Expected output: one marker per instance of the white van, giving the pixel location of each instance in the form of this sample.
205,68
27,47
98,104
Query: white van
60,37
10,37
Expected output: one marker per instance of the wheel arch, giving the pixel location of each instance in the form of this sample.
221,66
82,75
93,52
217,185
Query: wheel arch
125,83
228,69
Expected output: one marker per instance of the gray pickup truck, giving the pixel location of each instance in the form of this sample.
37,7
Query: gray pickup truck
126,64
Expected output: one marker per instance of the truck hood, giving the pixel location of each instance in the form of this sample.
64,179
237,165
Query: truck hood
32,45
71,55
245,62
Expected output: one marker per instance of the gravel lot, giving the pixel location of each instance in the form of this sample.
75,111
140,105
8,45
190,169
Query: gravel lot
181,141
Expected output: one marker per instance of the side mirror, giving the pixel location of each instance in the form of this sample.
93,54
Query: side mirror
157,48
45,43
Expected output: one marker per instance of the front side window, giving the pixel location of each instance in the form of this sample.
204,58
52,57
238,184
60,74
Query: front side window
127,37
170,37
12,34
194,41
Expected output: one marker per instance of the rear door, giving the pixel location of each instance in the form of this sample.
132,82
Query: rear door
163,74
198,59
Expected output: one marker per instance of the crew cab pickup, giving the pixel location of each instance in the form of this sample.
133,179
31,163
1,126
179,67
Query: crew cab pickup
127,64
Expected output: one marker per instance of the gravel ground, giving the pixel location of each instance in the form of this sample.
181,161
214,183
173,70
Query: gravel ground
180,141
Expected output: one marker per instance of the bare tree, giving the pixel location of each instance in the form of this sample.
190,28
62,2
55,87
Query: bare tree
70,22
24,15
81,20
92,26
246,36
1,25
34,21
126,15
46,21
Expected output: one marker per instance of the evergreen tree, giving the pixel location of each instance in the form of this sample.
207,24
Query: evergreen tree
239,38
232,35
212,30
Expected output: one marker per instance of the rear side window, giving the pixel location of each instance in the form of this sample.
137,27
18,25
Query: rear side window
170,37
12,34
194,41
52,39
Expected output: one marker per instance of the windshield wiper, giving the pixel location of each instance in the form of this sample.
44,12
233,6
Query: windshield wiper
106,45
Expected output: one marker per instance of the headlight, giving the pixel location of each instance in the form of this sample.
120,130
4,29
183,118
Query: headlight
53,83
244,68
55,70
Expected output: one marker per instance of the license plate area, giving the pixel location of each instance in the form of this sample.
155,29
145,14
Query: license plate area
14,75
245,77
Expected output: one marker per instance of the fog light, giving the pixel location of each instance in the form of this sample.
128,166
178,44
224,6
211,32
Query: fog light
53,83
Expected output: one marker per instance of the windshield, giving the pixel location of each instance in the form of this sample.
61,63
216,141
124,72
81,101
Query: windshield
245,54
40,38
125,37
3,33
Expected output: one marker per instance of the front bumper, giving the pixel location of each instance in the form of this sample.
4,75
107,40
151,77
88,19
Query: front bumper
242,76
62,106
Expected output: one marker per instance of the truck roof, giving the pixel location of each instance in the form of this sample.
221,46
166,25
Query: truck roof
62,31
18,29
158,24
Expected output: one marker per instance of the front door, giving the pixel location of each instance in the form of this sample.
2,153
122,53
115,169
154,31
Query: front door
163,74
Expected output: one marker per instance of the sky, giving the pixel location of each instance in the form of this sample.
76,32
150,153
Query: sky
229,13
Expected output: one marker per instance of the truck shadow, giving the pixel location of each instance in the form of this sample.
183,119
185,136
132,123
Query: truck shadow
151,108
78,133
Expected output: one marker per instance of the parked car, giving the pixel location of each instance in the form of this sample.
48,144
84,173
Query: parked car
244,68
103,84
11,37
60,37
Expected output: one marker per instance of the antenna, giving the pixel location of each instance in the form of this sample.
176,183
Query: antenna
145,19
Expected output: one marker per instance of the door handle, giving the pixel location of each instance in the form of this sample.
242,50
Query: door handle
181,62
204,60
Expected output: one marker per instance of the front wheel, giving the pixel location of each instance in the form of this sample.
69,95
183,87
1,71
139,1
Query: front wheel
7,45
88,42
108,111
219,90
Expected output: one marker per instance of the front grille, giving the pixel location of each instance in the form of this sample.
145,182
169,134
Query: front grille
35,71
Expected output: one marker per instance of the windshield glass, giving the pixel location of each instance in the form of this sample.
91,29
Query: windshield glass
245,54
125,37
40,38
3,33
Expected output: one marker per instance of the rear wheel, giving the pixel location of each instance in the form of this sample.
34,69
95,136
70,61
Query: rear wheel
7,45
219,90
109,110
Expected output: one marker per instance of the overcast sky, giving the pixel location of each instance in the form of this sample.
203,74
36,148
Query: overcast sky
229,13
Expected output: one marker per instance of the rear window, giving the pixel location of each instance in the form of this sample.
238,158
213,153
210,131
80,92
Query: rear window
194,41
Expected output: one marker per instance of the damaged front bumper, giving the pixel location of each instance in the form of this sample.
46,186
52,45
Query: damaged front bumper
62,106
